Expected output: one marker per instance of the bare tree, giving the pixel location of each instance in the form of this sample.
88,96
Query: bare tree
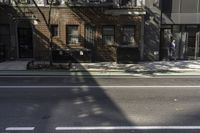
47,20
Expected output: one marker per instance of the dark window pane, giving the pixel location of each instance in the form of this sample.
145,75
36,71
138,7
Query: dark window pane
4,35
166,6
54,30
108,35
169,6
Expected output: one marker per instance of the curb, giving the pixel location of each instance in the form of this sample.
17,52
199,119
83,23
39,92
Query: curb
99,73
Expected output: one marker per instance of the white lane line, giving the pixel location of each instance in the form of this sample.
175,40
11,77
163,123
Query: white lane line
135,76
20,128
130,128
185,86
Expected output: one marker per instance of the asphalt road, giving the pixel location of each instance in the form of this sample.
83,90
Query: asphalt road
99,104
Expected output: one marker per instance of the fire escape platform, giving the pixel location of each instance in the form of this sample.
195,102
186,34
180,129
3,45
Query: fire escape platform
128,11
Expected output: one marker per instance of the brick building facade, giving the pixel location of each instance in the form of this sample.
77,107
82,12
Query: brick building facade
80,33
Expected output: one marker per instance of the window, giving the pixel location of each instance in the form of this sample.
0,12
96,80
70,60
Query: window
54,30
171,6
129,3
24,1
72,34
128,35
94,1
90,34
4,35
53,2
5,1
189,6
108,35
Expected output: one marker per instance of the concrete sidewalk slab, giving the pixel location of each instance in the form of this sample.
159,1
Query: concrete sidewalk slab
142,66
107,68
13,65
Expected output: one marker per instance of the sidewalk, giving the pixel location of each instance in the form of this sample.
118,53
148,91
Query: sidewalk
108,68
13,65
181,66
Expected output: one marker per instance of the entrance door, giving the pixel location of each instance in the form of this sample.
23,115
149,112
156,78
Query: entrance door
25,43
166,35
90,33
4,41
192,41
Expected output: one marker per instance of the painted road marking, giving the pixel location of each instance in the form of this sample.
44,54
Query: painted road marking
130,128
133,76
20,128
23,87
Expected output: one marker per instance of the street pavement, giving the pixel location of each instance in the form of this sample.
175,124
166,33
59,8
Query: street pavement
99,104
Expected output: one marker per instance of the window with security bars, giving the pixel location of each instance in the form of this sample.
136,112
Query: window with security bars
108,35
72,34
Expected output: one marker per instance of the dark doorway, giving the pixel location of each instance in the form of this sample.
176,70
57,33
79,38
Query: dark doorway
193,44
25,43
90,33
166,34
4,41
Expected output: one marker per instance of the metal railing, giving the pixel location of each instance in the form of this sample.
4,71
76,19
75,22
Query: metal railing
104,3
